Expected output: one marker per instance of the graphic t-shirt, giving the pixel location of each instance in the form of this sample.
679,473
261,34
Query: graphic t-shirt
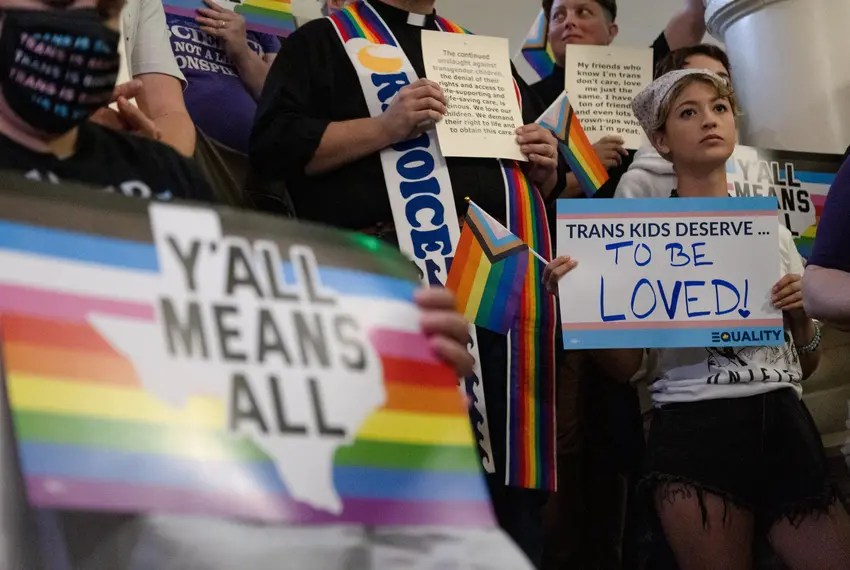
692,374
118,162
217,99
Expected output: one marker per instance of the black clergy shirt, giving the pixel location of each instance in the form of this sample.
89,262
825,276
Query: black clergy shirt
313,83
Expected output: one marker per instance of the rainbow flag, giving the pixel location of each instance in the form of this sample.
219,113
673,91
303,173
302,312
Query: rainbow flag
92,437
488,271
535,60
575,146
273,17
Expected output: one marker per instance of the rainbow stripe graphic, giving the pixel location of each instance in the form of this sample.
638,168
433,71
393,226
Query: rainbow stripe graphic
531,385
272,17
91,438
750,172
536,51
560,118
488,271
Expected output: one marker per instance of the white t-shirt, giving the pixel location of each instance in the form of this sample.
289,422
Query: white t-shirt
691,374
146,43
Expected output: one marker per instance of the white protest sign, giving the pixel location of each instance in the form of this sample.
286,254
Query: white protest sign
669,273
601,82
483,110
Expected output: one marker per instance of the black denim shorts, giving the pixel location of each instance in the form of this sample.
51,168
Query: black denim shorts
762,453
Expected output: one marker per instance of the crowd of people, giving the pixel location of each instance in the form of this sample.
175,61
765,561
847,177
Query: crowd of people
290,127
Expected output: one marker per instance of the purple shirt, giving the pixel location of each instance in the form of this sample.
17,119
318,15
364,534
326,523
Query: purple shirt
832,244
218,101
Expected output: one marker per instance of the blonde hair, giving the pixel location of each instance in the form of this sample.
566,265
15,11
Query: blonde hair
723,89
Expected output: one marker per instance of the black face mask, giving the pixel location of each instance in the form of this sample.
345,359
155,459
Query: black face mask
57,67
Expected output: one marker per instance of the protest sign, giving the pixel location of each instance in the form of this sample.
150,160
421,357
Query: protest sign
689,272
601,82
483,109
800,182
272,17
180,360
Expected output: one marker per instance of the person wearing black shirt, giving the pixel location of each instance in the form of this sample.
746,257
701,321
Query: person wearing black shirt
49,88
594,22
313,129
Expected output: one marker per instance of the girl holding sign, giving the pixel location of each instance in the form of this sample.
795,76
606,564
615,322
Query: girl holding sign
732,450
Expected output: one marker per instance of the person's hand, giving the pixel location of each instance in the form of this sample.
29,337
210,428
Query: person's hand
226,25
414,110
611,151
446,329
787,295
127,118
541,148
556,269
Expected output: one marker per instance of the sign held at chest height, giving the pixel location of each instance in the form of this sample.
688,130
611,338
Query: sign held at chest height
669,273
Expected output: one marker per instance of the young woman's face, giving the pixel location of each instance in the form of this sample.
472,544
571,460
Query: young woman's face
700,61
700,129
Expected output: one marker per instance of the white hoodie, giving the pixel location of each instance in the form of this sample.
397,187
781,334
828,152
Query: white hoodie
649,176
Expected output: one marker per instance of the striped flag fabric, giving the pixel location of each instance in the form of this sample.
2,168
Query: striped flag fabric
560,118
488,271
535,60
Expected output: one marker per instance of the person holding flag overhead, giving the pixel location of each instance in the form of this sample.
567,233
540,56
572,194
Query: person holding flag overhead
347,121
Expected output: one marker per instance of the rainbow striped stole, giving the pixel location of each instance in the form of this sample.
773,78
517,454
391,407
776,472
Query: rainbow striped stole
560,118
273,17
358,21
531,380
531,388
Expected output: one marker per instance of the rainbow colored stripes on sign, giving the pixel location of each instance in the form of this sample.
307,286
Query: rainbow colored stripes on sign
536,50
91,438
806,242
560,118
488,272
272,17
531,385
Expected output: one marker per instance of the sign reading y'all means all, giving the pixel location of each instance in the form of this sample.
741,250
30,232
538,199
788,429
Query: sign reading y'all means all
669,273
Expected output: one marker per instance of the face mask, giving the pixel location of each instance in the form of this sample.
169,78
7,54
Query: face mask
57,67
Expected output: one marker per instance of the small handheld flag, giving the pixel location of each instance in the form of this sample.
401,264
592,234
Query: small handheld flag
488,271
575,146
535,60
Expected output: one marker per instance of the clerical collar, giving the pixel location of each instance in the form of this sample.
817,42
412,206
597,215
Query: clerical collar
393,15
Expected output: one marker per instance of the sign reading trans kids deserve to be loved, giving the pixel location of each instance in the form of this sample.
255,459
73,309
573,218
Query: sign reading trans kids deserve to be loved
180,360
669,273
